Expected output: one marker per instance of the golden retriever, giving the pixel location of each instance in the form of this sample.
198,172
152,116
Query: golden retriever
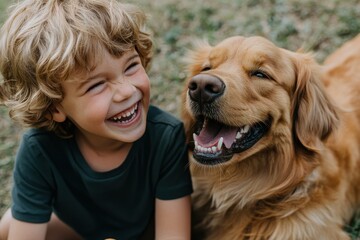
275,140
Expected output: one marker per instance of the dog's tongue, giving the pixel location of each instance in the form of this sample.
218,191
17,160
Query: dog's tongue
213,131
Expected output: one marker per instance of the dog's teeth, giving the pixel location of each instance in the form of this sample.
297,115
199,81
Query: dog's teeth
214,149
245,129
220,143
238,135
211,149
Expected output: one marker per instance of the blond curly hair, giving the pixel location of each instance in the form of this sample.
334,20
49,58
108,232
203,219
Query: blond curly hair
44,42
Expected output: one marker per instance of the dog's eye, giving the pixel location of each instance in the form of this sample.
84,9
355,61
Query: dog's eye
259,74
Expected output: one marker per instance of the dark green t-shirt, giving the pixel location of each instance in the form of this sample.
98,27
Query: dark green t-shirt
51,175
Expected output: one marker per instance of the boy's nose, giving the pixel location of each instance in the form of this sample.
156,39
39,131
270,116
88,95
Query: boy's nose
123,91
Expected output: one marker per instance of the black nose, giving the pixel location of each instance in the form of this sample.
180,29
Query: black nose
204,88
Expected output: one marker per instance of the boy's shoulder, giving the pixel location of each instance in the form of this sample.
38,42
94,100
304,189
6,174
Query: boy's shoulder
159,116
43,144
41,135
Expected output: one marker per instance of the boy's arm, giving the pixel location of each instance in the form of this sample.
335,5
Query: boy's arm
173,219
28,231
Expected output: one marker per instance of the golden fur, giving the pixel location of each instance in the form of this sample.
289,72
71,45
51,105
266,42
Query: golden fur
301,179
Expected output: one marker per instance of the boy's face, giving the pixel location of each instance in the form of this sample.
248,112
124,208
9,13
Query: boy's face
109,103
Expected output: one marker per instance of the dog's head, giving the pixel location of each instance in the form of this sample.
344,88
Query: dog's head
245,96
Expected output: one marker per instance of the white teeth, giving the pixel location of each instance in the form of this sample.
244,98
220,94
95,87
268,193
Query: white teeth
220,143
238,135
126,114
218,147
245,129
213,149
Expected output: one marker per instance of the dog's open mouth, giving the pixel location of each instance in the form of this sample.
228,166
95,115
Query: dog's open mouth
216,143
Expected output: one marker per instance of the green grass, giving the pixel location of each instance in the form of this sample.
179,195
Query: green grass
318,26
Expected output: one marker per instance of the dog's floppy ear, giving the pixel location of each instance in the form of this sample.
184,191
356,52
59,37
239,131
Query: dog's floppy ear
314,116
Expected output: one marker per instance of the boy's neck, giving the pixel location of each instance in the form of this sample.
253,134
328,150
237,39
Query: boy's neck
102,156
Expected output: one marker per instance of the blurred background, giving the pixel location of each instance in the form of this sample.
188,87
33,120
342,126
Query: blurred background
317,26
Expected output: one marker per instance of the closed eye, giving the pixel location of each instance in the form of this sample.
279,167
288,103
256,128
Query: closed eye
132,68
95,86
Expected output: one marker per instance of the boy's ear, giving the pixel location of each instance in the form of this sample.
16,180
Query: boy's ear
58,114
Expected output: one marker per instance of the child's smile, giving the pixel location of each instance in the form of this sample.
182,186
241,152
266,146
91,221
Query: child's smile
112,103
126,116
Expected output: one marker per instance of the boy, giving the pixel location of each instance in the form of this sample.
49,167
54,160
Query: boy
97,162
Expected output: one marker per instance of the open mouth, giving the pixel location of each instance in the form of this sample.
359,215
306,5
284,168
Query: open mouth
126,116
216,142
